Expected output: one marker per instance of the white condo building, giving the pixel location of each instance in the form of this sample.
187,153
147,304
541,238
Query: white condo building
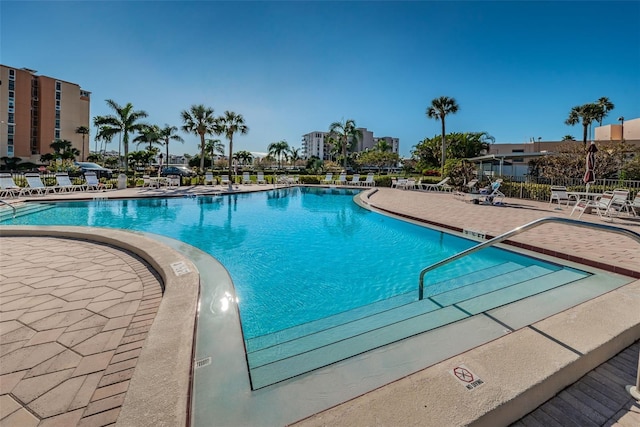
313,144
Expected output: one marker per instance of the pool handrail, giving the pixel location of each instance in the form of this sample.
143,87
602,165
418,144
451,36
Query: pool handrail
518,230
11,206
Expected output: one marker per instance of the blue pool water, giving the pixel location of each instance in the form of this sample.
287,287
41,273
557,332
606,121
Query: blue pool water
295,254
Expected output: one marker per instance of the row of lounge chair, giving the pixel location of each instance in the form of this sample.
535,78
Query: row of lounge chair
35,186
209,179
355,180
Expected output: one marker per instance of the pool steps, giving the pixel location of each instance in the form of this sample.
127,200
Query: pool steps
6,213
285,354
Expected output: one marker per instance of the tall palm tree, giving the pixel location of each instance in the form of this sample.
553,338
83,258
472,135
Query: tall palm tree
124,121
438,110
587,113
277,149
84,131
346,134
229,124
105,135
604,107
568,138
199,120
168,133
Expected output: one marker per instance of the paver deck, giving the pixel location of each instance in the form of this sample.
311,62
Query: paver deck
74,314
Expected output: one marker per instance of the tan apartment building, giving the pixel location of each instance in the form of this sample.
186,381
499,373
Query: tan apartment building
314,144
36,110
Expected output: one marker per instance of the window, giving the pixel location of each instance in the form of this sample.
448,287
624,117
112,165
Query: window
12,85
12,95
518,159
10,151
57,114
58,85
58,95
10,129
12,74
10,118
57,123
57,134
57,104
10,140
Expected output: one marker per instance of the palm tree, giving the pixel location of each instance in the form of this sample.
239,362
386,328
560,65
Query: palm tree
84,131
568,138
229,124
149,135
244,157
277,149
346,134
199,120
382,145
124,121
438,110
604,107
294,155
168,133
104,135
214,146
587,113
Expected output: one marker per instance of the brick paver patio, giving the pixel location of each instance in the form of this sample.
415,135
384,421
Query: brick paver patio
73,319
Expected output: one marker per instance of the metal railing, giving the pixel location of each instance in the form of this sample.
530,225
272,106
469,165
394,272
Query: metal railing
515,231
11,206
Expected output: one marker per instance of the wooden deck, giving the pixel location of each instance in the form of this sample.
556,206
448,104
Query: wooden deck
597,399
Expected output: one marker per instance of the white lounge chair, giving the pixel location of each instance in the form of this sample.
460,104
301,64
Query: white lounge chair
65,184
441,186
342,179
368,182
603,206
93,183
246,178
260,179
35,185
8,187
328,179
559,193
355,179
470,188
489,196
209,179
224,180
634,205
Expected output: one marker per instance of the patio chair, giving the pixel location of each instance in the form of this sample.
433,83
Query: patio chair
209,179
489,196
327,179
441,186
634,205
260,179
342,179
559,193
35,185
603,206
93,183
355,179
224,180
246,178
368,182
621,200
8,187
65,184
469,188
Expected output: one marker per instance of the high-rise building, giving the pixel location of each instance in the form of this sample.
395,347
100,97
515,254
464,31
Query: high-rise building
36,110
314,144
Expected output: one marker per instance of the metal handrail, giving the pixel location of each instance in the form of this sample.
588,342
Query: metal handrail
532,224
11,206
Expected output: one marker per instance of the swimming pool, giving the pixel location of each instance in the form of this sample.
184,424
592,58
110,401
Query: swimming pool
297,255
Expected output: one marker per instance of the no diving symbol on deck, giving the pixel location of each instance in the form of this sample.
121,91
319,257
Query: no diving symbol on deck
465,377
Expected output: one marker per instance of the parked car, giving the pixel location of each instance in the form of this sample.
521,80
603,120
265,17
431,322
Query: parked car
177,170
94,167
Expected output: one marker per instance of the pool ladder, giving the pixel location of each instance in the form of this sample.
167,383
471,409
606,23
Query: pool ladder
515,231
11,206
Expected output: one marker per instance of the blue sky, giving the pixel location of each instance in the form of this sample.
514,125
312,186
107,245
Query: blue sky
515,68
